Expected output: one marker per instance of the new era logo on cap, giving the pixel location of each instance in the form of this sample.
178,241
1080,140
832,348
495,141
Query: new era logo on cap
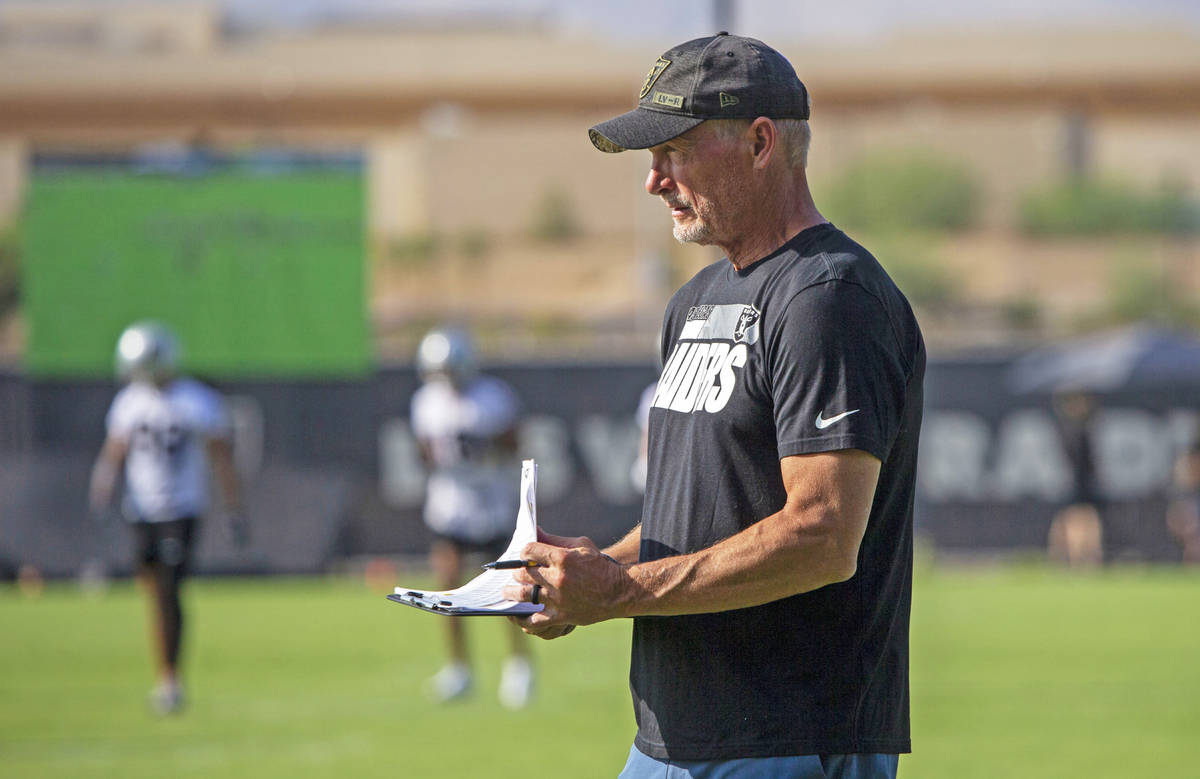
719,77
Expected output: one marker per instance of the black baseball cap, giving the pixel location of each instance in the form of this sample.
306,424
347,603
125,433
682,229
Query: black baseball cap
719,77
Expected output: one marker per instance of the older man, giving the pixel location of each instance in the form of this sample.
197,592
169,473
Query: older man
770,578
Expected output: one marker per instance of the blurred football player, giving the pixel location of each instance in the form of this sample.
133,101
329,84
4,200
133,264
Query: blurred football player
164,431
465,424
637,473
641,417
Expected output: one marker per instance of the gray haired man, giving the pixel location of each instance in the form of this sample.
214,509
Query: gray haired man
770,579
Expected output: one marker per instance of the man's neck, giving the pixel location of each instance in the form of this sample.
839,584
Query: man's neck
787,210
767,239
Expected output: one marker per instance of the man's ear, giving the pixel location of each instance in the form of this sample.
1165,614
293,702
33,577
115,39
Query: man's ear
765,136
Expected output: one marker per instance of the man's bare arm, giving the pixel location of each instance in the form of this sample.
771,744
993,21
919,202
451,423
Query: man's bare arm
105,473
626,550
813,541
220,455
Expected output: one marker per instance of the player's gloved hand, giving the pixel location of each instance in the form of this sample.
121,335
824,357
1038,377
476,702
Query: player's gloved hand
239,528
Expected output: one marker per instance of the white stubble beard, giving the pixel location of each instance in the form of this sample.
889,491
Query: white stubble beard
695,231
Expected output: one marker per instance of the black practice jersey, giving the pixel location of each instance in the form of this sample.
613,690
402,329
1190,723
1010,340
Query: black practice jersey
811,349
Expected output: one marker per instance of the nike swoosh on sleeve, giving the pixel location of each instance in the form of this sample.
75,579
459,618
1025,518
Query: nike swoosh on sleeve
824,423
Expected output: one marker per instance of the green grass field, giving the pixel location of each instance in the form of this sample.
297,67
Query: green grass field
1017,672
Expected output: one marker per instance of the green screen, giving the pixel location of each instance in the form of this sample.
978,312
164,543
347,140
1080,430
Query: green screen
257,274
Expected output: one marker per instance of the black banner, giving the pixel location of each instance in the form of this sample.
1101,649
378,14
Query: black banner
332,469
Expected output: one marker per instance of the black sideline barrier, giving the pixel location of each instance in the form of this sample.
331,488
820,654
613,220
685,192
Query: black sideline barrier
332,469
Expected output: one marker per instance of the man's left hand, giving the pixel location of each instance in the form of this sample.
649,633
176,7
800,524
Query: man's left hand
239,528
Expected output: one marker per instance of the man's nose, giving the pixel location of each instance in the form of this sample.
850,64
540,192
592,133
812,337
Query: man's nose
657,182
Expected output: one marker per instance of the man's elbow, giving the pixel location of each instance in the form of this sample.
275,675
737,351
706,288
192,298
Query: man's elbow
842,569
846,543
840,561
833,565
831,547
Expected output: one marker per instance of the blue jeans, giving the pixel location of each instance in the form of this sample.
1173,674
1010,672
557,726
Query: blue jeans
872,766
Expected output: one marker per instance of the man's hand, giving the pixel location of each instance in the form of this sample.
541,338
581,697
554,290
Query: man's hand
577,584
549,632
239,528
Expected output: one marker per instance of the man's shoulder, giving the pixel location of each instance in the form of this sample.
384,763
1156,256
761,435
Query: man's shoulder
124,404
133,404
190,387
493,391
135,395
431,393
827,254
126,394
192,393
482,386
838,265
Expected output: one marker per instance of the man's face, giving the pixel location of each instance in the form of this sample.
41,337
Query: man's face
699,175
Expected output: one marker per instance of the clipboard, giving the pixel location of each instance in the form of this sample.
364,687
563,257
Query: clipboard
482,596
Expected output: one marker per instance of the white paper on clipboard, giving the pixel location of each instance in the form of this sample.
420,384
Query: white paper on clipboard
483,595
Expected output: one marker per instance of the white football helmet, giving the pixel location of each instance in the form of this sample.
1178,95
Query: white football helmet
446,353
147,351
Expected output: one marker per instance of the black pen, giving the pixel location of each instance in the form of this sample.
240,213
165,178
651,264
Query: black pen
501,565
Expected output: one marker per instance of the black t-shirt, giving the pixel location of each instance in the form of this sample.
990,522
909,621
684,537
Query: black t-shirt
811,349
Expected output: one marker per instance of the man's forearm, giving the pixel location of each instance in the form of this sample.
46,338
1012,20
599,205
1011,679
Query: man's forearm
105,473
811,542
103,481
772,559
627,549
221,456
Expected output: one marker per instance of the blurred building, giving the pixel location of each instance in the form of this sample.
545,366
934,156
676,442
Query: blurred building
486,199
485,202
132,27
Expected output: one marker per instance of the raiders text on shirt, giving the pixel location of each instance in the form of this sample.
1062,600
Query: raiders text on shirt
699,375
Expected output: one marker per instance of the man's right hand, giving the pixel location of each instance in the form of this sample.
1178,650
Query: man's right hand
574,580
549,632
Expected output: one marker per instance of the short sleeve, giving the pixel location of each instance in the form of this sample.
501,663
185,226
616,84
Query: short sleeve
837,372
207,412
419,411
498,407
118,423
643,408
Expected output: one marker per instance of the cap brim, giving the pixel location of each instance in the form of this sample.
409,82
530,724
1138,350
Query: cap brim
639,129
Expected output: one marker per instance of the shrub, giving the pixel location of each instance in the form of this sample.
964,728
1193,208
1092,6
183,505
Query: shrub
474,243
10,271
1021,313
904,190
917,270
1137,293
1094,207
554,220
413,249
